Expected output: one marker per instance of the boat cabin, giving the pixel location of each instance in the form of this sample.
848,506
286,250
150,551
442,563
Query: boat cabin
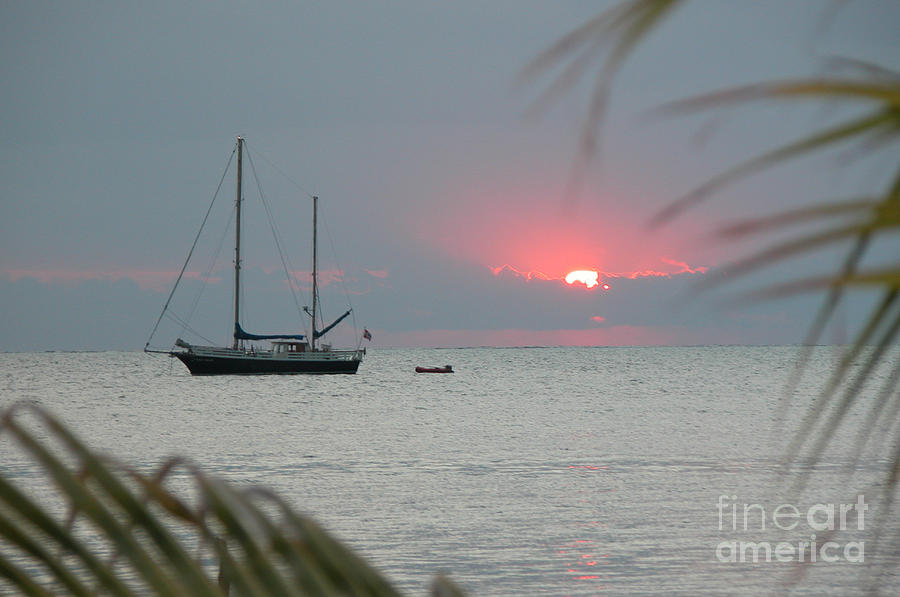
288,347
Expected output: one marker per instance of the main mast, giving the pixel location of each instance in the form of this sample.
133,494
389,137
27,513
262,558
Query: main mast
315,277
237,244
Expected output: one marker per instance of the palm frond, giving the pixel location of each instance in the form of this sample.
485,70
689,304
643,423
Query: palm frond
887,209
17,535
791,217
97,511
867,431
875,89
444,587
882,320
794,248
49,530
135,536
21,579
610,37
885,93
868,70
872,123
620,27
882,278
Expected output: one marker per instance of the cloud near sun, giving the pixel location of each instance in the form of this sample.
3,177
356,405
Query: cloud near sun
523,230
594,278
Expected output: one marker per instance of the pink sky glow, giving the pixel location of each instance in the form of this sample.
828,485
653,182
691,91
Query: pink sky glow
624,335
677,267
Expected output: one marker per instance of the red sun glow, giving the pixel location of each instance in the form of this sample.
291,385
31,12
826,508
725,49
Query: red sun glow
523,229
587,277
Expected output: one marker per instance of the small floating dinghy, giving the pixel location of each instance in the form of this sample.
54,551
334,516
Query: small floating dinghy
444,369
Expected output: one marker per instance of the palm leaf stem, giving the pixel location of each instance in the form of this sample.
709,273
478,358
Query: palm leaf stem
845,130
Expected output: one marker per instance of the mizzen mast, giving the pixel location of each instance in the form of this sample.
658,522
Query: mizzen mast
315,276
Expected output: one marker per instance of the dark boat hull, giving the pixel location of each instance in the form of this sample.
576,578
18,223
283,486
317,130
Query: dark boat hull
211,365
447,369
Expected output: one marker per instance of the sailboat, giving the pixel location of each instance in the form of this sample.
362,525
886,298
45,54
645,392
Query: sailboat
288,353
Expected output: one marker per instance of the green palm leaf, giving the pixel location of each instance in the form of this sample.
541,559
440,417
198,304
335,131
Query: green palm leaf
792,217
878,91
884,93
152,532
616,33
874,122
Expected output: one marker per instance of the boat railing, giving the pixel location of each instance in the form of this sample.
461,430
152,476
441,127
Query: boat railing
332,355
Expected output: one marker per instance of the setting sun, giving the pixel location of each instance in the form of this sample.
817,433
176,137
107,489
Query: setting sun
586,277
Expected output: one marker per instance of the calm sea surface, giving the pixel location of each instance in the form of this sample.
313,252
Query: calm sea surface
530,471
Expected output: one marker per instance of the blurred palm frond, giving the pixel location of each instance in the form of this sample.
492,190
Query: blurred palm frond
854,225
614,33
111,529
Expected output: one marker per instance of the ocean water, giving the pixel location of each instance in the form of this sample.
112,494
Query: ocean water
529,471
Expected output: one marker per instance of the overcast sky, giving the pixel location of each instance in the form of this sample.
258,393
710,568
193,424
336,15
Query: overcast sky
404,117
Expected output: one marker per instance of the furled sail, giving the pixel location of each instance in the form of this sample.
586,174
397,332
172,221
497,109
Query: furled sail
320,333
240,334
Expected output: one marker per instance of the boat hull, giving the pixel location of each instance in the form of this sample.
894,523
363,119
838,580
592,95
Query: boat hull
446,369
199,364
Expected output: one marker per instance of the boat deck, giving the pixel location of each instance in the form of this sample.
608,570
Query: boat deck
210,360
